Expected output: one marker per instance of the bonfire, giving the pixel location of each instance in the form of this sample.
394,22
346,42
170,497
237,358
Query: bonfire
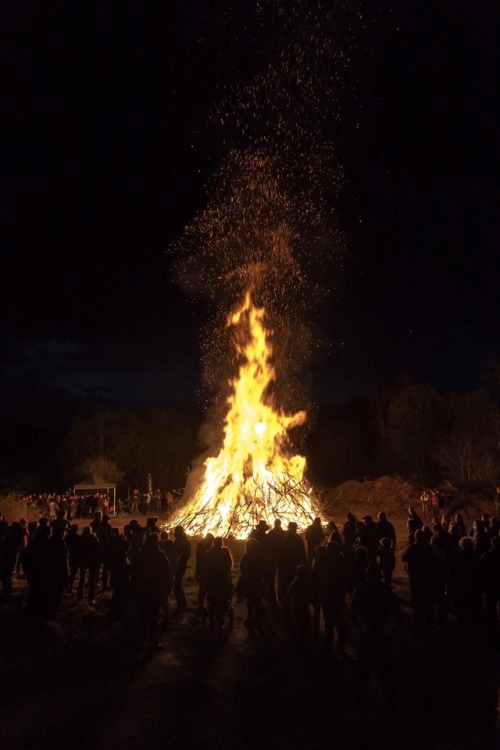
255,476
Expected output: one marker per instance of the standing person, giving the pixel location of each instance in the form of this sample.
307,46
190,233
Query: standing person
11,544
275,539
387,559
183,547
251,583
425,499
32,564
333,587
385,529
293,553
200,573
314,537
218,567
413,523
489,581
150,582
260,533
297,602
316,588
55,573
349,531
72,542
374,609
420,566
90,555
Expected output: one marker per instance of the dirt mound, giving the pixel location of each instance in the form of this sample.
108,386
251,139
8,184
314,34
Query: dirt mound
391,494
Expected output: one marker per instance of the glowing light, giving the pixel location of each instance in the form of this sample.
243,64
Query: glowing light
255,476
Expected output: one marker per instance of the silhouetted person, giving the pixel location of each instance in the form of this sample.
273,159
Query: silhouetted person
73,541
366,536
218,566
374,609
149,584
316,587
168,547
275,539
297,601
90,555
385,529
293,553
440,578
356,567
489,578
349,531
135,535
314,536
11,544
333,592
203,546
183,547
32,564
120,571
387,559
414,523
55,572
464,583
420,565
260,534
251,584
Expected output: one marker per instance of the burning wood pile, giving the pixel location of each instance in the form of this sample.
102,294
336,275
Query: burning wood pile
255,476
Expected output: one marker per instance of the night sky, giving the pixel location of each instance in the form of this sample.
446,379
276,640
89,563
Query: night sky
106,152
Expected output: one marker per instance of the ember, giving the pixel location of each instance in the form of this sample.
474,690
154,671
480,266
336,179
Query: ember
255,475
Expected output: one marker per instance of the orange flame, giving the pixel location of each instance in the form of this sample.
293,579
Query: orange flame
254,477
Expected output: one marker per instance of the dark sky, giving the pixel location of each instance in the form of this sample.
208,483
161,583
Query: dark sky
105,153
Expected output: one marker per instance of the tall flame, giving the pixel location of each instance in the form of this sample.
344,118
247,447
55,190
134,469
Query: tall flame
254,477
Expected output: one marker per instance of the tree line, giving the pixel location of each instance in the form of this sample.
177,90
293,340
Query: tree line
418,430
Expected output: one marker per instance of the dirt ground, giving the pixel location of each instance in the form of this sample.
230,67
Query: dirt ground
77,684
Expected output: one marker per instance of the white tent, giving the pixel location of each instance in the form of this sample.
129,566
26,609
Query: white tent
93,484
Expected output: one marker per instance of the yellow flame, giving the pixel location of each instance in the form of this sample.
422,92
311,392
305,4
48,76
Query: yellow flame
254,477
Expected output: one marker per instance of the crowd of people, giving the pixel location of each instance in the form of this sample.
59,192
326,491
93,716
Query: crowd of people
84,504
327,581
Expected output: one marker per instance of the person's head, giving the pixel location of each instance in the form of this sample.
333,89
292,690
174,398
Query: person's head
152,542
292,527
74,528
333,549
373,572
466,544
218,542
209,537
252,545
87,531
277,523
98,515
262,526
179,532
420,536
382,516
302,573
317,522
163,535
320,553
